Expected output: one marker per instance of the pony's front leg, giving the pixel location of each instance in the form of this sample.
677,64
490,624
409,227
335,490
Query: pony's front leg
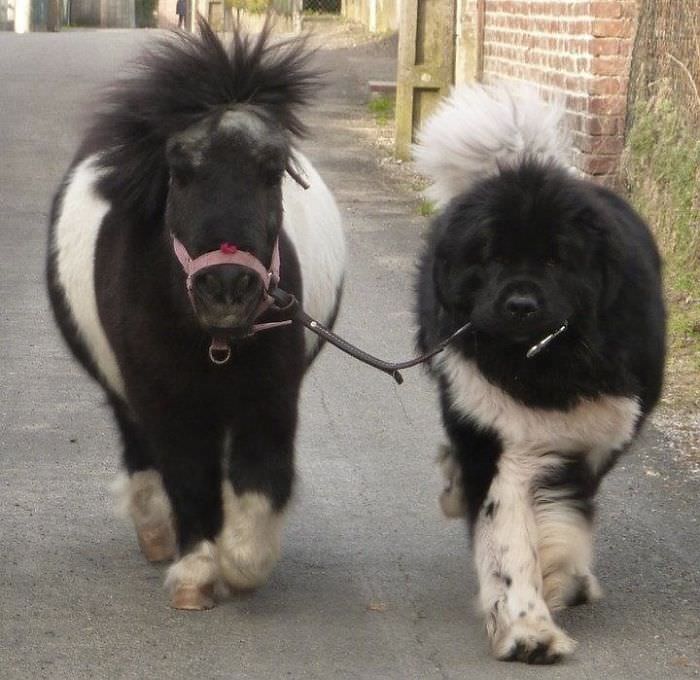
190,448
259,485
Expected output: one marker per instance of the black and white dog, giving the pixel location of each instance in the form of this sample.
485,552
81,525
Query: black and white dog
561,281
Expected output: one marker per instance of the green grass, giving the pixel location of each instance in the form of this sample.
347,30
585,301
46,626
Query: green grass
661,167
426,208
382,107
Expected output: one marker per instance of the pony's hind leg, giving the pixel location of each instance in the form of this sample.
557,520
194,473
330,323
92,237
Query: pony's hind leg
259,485
141,492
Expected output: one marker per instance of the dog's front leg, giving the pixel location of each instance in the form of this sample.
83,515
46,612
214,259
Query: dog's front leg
518,621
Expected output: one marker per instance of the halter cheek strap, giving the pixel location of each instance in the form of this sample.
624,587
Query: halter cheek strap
219,350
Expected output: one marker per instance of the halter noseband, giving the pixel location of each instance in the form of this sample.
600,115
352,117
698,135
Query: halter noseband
219,350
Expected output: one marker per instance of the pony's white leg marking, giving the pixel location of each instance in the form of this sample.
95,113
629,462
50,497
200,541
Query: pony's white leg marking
518,621
193,578
75,240
250,542
312,223
565,547
142,496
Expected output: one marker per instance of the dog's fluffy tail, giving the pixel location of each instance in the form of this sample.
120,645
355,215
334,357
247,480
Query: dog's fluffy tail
479,129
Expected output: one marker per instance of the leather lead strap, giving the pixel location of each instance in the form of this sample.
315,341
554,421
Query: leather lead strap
287,302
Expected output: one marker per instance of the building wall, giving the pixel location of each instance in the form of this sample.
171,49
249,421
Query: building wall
576,49
103,13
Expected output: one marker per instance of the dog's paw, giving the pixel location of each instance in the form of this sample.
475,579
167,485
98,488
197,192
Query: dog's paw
565,590
532,641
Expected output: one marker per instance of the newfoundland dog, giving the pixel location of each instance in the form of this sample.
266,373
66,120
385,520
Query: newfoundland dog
561,281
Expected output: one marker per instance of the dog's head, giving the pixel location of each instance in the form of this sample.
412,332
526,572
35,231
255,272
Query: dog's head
524,252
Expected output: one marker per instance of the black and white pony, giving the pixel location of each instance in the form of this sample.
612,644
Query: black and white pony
194,150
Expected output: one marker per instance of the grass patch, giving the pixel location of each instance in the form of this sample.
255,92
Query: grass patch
426,208
382,108
661,168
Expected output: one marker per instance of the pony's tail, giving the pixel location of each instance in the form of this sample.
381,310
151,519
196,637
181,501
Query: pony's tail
480,129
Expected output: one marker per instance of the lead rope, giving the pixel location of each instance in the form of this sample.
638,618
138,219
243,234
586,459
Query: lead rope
286,302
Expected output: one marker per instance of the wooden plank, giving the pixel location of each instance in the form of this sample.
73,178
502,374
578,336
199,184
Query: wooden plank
425,64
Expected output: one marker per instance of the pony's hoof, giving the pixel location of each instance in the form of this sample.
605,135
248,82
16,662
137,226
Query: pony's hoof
157,544
193,598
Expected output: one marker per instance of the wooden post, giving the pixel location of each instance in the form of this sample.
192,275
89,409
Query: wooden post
425,64
191,15
53,17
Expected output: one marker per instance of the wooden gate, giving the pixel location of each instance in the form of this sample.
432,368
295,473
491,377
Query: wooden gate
425,64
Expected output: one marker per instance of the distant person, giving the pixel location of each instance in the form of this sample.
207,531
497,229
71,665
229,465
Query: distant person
181,11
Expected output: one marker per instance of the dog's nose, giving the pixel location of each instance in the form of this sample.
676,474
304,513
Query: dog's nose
226,284
521,305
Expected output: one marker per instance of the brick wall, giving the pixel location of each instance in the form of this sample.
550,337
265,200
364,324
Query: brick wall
578,49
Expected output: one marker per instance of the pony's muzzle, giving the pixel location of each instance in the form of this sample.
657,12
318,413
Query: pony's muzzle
226,296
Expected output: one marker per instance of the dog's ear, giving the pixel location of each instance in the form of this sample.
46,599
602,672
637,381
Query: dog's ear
442,276
609,249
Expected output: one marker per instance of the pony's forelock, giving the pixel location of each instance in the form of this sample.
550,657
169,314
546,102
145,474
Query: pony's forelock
179,81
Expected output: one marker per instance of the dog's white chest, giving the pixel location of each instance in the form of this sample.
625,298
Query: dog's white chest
594,426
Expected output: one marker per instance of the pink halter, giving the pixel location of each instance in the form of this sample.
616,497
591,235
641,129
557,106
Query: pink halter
219,350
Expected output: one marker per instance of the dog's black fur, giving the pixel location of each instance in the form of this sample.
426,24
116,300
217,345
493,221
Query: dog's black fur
586,256
519,253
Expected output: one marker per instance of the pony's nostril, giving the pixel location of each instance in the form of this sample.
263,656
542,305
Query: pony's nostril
211,284
226,285
243,285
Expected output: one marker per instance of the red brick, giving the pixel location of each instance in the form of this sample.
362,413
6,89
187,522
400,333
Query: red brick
608,105
608,10
603,125
611,28
599,145
610,66
602,85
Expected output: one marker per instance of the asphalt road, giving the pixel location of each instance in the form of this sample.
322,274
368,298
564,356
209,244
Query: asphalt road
373,582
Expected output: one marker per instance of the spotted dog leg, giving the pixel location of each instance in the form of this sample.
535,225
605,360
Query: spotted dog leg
518,621
565,550
452,500
564,513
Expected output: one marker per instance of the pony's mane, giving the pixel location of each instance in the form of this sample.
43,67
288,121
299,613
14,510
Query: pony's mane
178,82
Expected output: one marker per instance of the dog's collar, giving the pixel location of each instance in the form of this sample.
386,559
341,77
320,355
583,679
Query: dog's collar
542,344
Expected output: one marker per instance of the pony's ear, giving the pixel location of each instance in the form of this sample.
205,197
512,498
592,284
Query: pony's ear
296,173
